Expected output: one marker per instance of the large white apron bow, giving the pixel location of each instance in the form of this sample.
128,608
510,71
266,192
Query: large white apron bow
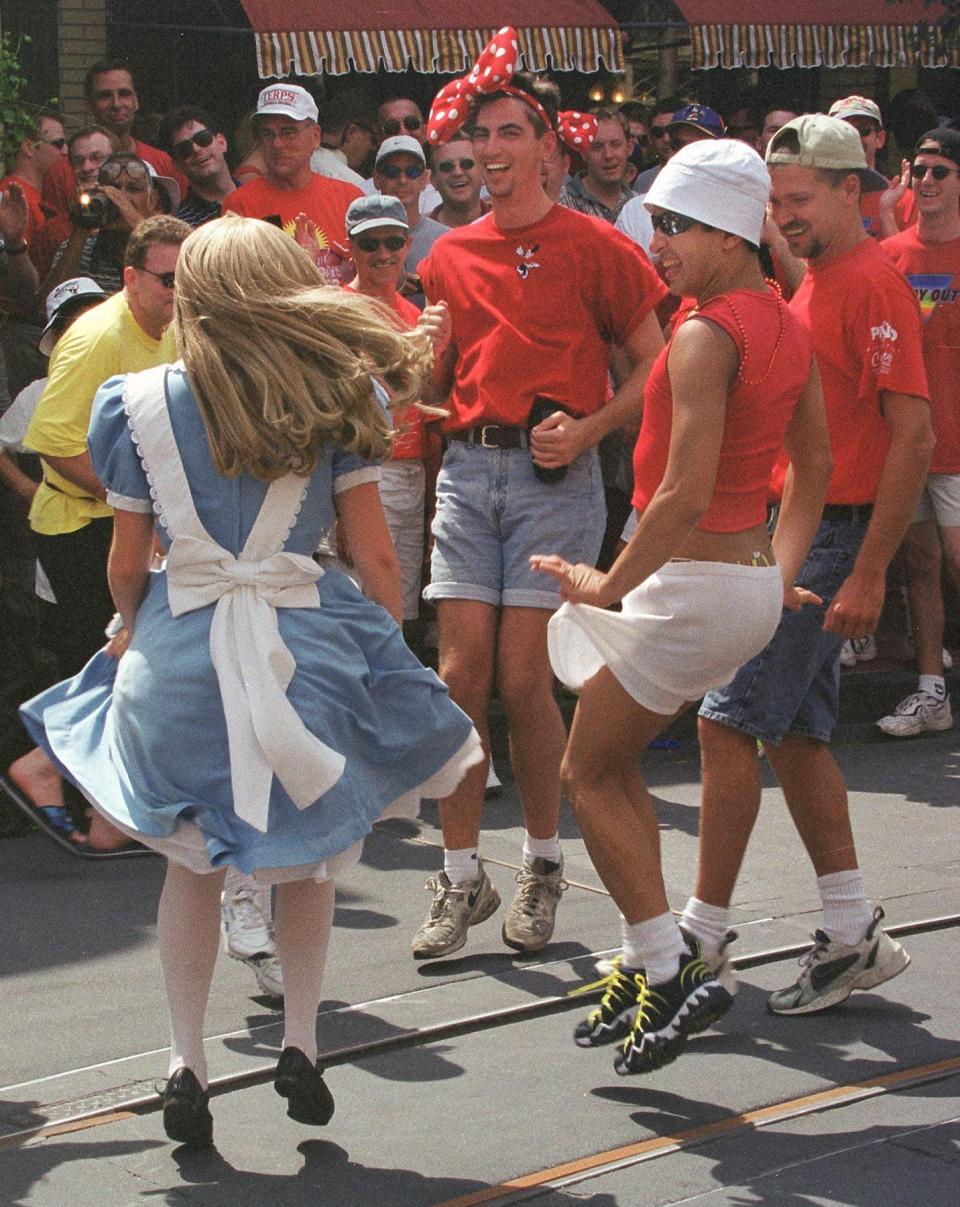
254,668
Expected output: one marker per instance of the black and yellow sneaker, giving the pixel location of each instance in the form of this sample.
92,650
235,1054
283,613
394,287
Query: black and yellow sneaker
613,1018
668,1013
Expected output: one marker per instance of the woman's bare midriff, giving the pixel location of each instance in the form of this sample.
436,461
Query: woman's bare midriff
741,547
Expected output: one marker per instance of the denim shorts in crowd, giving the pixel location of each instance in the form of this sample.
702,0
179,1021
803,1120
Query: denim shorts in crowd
493,513
793,686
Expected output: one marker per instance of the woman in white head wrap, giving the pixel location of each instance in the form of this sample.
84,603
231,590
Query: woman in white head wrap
700,583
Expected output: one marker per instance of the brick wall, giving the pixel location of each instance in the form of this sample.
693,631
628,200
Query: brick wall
82,40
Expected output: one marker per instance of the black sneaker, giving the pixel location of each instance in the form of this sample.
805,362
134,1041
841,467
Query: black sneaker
667,1014
613,1018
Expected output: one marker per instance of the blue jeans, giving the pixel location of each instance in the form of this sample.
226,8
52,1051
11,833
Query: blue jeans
792,687
494,513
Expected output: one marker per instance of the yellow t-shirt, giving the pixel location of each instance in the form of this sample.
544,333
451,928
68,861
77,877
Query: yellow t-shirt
105,341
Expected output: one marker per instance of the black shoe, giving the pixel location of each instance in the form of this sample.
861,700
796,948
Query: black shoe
301,1083
667,1014
186,1113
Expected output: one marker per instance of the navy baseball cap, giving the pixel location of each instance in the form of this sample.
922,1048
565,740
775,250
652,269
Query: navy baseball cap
708,121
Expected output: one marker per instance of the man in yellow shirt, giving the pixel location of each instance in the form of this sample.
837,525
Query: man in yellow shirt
69,515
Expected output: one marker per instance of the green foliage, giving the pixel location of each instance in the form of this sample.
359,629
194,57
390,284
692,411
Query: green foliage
17,117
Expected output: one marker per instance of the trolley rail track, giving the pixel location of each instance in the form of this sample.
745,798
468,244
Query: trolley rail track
131,1101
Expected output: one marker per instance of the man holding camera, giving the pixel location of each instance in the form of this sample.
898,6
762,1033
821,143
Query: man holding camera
538,296
127,191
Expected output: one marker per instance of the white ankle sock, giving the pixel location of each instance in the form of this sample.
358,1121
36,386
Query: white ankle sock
654,945
708,923
846,910
542,848
934,685
462,865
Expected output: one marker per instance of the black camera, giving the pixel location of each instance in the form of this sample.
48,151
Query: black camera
90,211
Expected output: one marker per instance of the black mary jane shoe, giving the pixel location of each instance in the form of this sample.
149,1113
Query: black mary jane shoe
301,1083
186,1113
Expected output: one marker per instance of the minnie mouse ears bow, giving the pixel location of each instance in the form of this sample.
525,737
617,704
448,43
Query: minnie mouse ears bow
492,73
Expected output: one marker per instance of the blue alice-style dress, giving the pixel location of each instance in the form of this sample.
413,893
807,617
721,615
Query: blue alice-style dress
266,713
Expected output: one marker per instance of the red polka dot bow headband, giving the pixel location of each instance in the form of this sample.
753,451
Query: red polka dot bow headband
491,73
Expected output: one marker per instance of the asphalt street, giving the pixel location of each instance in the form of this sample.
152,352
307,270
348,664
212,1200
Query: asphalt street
457,1080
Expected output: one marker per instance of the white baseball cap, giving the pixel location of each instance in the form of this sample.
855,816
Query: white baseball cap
718,181
65,295
290,100
400,143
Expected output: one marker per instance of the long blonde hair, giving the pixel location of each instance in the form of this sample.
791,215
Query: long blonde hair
281,363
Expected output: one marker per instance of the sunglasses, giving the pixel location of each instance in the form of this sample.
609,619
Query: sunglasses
133,169
59,143
166,279
463,164
670,224
939,172
659,131
392,126
393,172
184,148
371,243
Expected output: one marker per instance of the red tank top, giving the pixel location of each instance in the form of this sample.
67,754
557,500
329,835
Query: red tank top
775,354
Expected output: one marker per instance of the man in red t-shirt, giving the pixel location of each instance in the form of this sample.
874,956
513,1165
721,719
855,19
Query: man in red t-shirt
112,100
865,326
285,125
538,295
929,255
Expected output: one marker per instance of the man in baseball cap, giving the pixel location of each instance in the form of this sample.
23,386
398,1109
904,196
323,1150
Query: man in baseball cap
694,122
865,326
287,133
400,171
864,115
66,301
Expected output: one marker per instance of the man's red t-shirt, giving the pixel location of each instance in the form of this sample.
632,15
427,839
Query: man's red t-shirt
323,200
535,310
933,271
775,359
59,186
865,325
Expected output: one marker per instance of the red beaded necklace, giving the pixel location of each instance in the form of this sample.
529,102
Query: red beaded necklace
743,335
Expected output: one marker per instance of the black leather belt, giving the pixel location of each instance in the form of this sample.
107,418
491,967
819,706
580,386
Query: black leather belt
850,513
492,435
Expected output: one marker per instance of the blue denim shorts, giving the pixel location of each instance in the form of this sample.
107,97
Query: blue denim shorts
493,513
793,685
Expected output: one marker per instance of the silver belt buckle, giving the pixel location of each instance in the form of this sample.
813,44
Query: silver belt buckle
483,436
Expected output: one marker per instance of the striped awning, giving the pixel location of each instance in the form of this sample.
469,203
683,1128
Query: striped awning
307,37
815,33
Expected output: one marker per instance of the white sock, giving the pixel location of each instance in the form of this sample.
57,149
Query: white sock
934,685
462,866
188,934
846,910
654,945
304,922
542,848
708,923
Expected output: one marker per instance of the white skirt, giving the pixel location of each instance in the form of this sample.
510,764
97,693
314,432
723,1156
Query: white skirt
685,630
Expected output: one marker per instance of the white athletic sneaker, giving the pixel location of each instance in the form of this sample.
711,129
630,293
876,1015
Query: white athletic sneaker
833,970
245,921
717,959
919,713
858,649
455,908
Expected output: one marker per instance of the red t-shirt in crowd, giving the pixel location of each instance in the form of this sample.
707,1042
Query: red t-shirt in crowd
933,270
59,186
535,310
776,353
865,325
322,199
410,440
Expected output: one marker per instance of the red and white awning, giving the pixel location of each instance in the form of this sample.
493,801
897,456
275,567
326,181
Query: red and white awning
814,33
307,37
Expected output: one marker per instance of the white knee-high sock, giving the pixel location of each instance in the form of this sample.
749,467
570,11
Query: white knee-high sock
304,922
188,933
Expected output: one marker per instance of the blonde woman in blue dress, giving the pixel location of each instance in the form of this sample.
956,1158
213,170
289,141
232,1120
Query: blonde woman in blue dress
264,713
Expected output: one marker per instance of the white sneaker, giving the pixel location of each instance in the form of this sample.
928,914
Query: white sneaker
245,921
832,970
858,649
919,713
267,971
848,655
